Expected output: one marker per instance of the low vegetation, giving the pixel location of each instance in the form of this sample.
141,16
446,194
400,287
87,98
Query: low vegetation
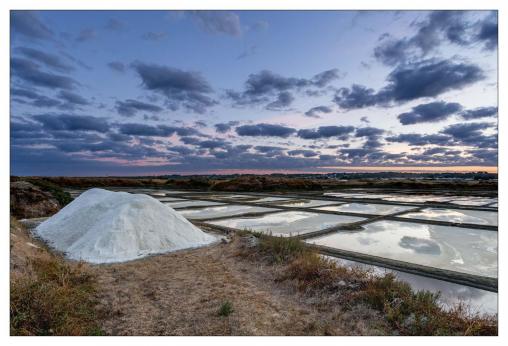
419,183
226,309
405,311
49,296
56,191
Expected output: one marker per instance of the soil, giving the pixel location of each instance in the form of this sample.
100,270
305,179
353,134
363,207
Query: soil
181,294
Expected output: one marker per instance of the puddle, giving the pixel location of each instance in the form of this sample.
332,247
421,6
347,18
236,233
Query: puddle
271,199
450,293
306,203
473,201
239,197
365,208
226,210
195,203
460,249
418,198
478,217
288,223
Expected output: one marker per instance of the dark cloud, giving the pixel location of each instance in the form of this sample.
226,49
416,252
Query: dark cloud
412,81
480,112
430,79
436,28
73,99
472,134
416,139
129,108
284,100
154,36
117,66
37,100
136,129
86,34
391,51
270,151
30,72
485,156
341,132
225,127
190,140
369,132
69,122
28,23
200,123
303,152
50,60
325,78
181,88
218,22
315,111
262,86
212,144
429,112
488,32
266,130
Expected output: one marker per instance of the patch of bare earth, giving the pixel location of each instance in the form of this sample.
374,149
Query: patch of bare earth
181,294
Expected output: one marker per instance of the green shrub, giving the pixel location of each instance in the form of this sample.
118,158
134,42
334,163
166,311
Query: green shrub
226,309
56,191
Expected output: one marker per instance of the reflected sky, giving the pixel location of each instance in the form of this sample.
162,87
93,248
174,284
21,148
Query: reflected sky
366,208
226,210
456,215
460,249
288,223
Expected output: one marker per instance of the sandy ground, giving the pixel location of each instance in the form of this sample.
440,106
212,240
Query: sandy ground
181,293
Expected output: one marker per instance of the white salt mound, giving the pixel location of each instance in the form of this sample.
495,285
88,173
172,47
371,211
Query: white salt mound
101,226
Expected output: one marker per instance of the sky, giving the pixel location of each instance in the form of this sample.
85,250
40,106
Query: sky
200,92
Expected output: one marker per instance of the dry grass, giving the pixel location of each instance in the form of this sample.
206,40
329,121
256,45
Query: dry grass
47,295
407,312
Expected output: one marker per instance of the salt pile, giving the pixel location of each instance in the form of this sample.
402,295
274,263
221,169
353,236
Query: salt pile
101,226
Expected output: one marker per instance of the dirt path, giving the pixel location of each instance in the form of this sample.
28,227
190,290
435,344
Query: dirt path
181,293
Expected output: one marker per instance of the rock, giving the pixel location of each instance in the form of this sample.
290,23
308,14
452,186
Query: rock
249,241
28,201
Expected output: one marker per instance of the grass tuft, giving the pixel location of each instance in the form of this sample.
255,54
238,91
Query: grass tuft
226,309
280,249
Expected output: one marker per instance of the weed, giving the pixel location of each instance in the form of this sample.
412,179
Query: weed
226,309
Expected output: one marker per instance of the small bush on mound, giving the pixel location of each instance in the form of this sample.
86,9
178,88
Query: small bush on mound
407,312
226,309
56,191
56,300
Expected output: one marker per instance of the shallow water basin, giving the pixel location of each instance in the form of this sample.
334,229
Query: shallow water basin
460,249
366,208
288,223
219,211
478,217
